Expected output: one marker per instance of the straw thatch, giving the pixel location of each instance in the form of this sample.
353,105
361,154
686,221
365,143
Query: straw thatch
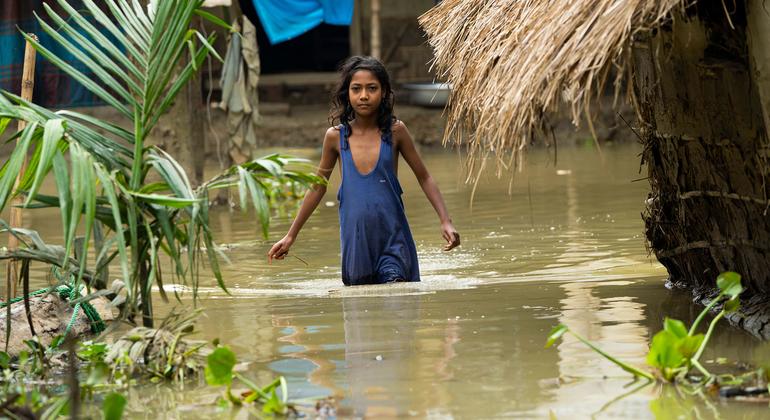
510,62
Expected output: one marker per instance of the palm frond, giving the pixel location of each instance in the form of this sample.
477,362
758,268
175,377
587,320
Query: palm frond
101,170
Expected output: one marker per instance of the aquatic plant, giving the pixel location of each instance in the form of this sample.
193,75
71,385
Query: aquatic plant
675,350
109,176
35,382
24,386
220,371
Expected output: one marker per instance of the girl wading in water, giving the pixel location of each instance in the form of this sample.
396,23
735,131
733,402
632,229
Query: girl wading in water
377,245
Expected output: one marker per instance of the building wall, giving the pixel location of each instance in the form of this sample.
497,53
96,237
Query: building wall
404,45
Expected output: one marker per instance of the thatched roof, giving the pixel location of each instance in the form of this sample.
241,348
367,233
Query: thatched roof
510,62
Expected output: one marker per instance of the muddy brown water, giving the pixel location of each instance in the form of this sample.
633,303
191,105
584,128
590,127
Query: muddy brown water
565,246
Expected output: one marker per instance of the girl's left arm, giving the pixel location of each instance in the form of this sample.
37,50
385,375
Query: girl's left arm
403,139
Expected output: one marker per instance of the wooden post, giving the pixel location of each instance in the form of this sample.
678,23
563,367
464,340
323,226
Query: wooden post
375,37
27,86
356,30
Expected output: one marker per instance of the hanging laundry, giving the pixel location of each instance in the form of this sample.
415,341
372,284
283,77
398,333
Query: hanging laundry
239,81
287,19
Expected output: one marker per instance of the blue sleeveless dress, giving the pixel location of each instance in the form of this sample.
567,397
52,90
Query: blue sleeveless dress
376,243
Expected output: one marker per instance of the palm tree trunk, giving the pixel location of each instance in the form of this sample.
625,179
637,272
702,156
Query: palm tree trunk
706,148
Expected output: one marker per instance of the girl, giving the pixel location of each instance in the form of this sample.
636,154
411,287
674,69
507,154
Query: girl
376,243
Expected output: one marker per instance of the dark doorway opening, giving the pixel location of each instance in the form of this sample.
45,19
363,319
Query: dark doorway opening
319,50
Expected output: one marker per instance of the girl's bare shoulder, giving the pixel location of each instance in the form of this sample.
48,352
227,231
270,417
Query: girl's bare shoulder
398,126
332,137
399,132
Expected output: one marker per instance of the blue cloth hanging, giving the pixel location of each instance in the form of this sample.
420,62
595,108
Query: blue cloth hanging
287,19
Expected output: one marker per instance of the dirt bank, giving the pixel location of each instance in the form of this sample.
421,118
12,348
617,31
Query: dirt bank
304,126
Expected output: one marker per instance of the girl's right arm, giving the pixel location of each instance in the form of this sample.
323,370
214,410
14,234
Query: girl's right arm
329,156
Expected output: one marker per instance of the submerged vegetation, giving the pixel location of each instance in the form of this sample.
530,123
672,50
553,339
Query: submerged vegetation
45,382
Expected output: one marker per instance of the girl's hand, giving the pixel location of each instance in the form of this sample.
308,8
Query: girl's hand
451,236
281,249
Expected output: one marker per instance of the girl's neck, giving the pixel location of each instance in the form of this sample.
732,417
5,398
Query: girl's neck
365,123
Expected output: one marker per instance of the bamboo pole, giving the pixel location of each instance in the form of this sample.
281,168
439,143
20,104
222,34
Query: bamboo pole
375,36
17,218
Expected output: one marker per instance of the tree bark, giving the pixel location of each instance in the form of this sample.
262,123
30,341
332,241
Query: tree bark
705,145
180,131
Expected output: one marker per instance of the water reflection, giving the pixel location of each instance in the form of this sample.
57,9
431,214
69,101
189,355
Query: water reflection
379,353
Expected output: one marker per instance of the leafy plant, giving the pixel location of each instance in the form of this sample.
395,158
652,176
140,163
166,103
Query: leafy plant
675,350
107,175
220,371
113,406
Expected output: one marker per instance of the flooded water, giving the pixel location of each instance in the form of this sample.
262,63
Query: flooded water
565,246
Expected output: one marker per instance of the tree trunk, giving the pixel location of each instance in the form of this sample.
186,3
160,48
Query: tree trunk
180,131
705,145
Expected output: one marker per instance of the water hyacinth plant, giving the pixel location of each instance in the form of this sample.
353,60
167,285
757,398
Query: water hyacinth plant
675,350
109,176
220,371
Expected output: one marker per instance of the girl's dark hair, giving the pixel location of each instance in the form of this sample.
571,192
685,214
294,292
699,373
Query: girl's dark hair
342,111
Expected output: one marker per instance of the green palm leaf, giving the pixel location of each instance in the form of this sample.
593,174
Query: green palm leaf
101,170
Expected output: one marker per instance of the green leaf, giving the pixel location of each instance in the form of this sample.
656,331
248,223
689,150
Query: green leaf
77,52
173,173
219,366
165,200
154,187
664,353
57,341
729,283
164,220
213,19
273,405
181,81
76,74
191,49
61,176
675,327
208,46
79,194
109,190
689,345
113,407
555,334
142,14
107,22
104,125
92,352
4,124
732,305
129,26
14,164
53,133
5,360
259,200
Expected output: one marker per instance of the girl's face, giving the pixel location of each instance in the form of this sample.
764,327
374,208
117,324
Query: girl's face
365,93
